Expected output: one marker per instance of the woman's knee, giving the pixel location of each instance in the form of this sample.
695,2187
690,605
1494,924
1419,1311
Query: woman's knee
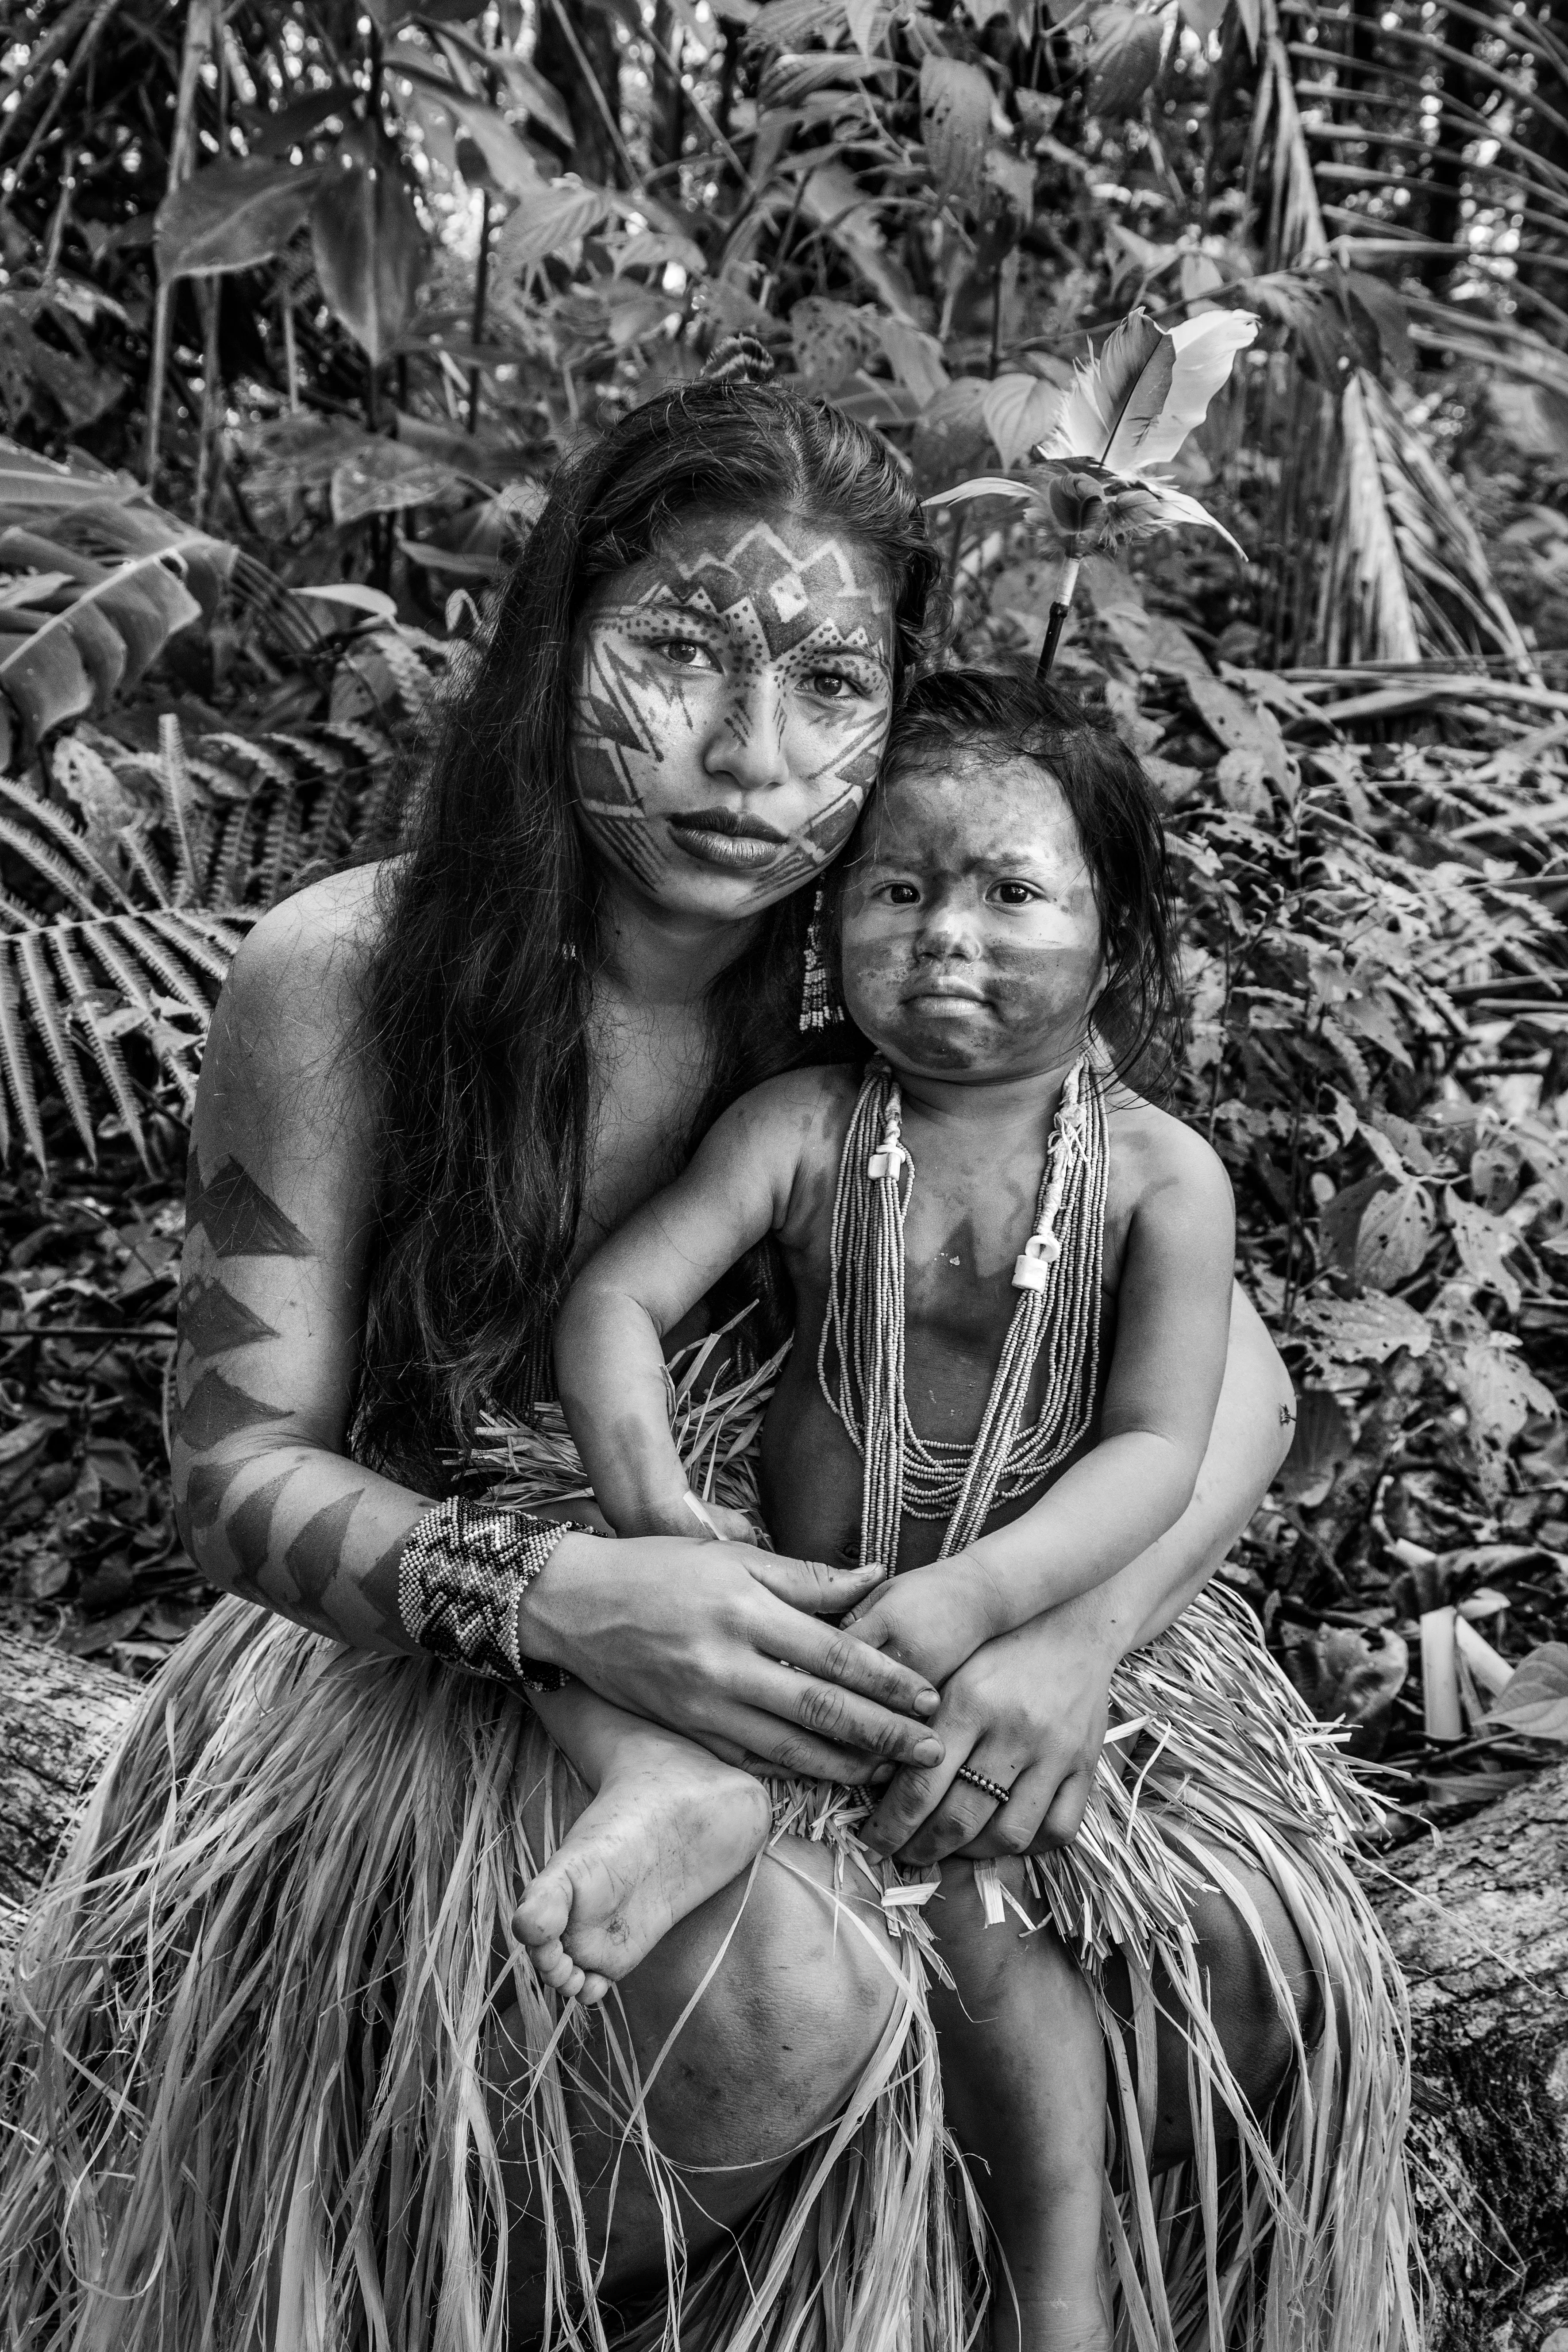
794,1984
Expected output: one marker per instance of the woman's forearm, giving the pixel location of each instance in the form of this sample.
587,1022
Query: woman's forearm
297,1528
1251,1436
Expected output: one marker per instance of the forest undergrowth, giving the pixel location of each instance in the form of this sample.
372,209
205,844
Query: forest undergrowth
1377,1043
301,304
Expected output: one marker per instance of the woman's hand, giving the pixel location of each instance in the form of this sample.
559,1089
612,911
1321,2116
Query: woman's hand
1029,1711
723,1642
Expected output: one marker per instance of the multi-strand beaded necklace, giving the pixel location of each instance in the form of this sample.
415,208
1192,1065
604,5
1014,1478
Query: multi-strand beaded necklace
1057,1276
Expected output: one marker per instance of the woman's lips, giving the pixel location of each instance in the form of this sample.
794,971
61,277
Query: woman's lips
720,837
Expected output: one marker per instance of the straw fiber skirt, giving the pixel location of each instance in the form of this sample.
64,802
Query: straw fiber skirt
255,2005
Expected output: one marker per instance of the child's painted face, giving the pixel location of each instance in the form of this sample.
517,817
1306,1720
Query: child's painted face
973,948
733,695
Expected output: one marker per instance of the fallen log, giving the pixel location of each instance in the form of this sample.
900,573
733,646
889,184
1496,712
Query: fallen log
1478,1916
58,1718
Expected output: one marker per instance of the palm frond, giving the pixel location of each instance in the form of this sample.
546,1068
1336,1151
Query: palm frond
1364,606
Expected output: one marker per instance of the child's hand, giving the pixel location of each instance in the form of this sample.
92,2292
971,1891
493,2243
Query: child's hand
730,1527
687,1517
932,1619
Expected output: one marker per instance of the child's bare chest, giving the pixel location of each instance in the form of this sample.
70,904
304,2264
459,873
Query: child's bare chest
969,1215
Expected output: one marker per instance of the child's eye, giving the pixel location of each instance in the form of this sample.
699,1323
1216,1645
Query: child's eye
1013,894
903,894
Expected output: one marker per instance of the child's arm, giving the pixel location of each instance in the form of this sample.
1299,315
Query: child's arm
1173,1326
609,1364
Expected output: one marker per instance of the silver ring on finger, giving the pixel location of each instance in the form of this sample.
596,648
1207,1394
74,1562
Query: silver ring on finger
993,1789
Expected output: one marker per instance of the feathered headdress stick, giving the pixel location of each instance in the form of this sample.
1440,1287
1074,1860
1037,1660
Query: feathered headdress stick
1128,409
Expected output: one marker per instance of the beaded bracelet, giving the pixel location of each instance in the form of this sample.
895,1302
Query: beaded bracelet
464,1570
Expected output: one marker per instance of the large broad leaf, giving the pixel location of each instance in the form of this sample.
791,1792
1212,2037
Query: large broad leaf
1395,1229
1123,58
92,517
1019,411
915,358
232,216
76,661
368,244
528,85
551,216
1365,1331
510,165
1536,1699
955,123
383,477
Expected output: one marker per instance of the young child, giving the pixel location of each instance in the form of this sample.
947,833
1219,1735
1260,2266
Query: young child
1012,1281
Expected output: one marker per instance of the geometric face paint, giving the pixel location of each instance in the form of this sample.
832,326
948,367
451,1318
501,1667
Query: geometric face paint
731,696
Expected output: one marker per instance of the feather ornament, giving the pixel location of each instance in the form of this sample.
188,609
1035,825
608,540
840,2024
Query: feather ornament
1134,404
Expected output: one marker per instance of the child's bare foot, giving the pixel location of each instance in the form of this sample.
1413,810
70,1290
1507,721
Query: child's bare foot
669,1827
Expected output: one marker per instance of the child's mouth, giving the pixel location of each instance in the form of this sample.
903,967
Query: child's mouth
952,996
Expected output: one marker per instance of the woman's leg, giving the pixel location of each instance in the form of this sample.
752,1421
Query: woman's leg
1257,2039
771,2051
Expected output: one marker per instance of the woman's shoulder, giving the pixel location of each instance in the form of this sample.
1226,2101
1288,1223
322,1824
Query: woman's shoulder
1151,1149
284,1077
305,961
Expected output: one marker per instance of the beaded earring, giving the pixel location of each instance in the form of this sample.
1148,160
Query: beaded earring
817,1009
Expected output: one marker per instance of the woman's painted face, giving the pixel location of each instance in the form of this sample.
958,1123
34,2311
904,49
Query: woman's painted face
731,700
972,942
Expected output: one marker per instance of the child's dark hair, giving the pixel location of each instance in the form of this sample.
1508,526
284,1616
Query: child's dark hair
1117,812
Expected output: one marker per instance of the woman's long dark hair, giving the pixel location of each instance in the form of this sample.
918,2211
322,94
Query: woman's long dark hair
477,999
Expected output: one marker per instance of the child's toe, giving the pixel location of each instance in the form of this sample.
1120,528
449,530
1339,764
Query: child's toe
541,1917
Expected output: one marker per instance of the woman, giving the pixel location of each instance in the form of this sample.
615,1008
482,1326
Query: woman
344,2115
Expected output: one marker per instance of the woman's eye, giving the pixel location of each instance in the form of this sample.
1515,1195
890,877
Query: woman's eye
831,684
685,653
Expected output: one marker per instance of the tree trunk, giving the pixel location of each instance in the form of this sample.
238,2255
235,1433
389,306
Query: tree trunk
58,1718
1479,1924
1479,1920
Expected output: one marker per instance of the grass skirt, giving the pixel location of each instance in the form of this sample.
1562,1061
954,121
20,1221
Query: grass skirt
248,2053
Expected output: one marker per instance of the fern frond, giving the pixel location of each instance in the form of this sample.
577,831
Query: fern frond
18,1069
254,748
179,793
49,1019
138,850
105,1052
210,945
40,812
46,861
228,856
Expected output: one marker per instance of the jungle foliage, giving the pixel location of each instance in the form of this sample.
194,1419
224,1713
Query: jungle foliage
302,303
